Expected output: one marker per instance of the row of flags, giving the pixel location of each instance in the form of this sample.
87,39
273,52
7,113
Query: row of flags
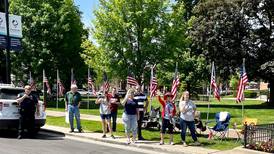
241,85
131,81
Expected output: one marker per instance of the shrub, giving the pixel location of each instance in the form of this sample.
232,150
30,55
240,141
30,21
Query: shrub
250,94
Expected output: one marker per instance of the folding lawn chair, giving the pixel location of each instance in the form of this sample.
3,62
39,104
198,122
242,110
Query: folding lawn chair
221,129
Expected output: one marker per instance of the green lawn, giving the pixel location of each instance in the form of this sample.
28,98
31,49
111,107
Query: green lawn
152,134
252,109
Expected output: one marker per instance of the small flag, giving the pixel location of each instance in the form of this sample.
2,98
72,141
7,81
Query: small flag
131,81
175,83
32,82
213,83
153,83
46,82
72,78
60,87
91,83
106,83
242,83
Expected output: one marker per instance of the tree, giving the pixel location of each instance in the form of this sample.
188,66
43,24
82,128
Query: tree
52,35
260,13
228,31
132,34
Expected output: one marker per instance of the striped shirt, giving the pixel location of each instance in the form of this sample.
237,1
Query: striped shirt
141,99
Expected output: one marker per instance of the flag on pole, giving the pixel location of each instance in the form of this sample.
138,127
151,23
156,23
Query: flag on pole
153,86
213,83
175,83
32,82
60,86
72,78
106,83
153,83
242,83
131,81
46,82
91,83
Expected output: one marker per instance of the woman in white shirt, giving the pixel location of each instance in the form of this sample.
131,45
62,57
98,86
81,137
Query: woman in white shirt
104,109
187,113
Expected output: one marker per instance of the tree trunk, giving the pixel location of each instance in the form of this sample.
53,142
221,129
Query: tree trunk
271,93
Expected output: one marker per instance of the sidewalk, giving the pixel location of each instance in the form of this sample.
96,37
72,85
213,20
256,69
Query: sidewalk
150,145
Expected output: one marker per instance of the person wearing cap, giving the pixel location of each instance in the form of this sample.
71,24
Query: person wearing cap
142,108
28,103
105,113
187,114
168,112
72,105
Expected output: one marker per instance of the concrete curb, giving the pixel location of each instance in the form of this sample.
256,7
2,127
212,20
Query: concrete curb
165,148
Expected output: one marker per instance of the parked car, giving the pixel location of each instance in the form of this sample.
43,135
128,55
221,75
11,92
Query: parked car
9,113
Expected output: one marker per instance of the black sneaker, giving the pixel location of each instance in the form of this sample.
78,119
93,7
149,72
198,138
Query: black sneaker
71,131
141,138
104,136
80,131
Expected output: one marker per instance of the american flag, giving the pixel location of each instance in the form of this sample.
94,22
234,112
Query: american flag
131,81
46,82
60,86
153,86
91,83
242,83
32,83
106,83
72,78
175,84
213,83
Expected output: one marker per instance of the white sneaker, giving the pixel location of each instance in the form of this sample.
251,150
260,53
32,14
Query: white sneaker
128,142
171,143
196,143
161,142
184,144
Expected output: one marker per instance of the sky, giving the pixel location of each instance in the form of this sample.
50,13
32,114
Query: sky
87,7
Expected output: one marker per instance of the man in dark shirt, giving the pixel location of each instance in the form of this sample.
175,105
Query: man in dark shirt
142,106
27,106
114,102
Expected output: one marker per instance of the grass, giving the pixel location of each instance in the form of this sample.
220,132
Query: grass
152,134
252,109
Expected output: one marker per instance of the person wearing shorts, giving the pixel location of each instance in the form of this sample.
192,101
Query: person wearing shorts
168,112
104,109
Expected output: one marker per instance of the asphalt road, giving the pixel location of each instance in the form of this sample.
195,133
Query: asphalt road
49,143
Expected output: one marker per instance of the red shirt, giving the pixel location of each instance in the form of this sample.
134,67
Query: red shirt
114,107
163,103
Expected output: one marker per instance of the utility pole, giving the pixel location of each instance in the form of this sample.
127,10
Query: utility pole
8,67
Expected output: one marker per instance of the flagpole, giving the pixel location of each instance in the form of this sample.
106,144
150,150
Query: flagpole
88,87
43,86
243,93
57,88
151,78
208,106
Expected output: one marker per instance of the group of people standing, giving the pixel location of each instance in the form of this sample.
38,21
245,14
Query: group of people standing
135,106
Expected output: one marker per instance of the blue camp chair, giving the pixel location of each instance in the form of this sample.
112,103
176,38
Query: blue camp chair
221,128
